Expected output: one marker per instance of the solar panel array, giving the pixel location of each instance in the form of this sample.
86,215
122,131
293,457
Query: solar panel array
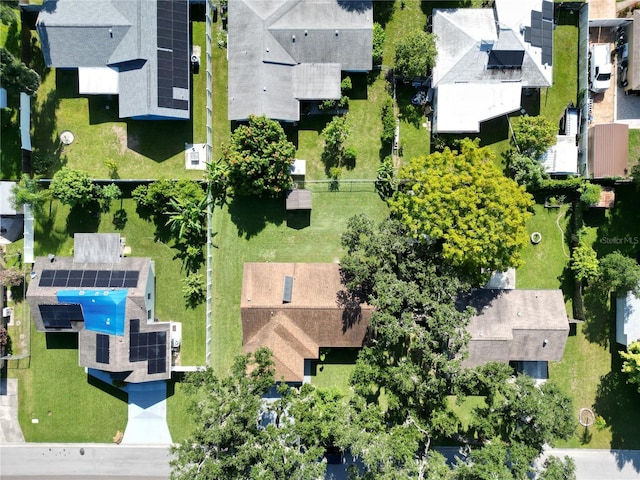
89,278
540,33
60,315
173,51
102,348
505,59
148,346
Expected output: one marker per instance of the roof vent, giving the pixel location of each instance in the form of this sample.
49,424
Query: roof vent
293,38
287,291
336,33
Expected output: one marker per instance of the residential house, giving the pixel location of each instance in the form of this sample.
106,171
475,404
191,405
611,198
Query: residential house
511,325
108,299
487,59
627,319
136,49
297,308
282,52
608,150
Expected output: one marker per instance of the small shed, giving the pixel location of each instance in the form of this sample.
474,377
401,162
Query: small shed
298,199
609,150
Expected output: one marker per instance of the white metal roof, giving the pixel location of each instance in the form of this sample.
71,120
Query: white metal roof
463,106
627,319
562,158
97,80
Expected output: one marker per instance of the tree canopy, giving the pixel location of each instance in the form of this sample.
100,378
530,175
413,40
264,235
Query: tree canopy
259,158
15,76
631,364
533,135
73,187
461,200
619,274
28,192
415,54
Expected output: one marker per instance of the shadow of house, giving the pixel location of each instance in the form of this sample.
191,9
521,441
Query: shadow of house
281,53
106,301
138,50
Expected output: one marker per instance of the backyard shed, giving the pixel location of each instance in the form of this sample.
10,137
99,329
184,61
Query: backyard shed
298,199
609,150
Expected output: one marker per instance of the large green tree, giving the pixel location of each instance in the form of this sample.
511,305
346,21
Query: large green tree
619,274
73,187
230,441
631,364
420,336
15,76
29,192
415,54
533,135
460,200
259,158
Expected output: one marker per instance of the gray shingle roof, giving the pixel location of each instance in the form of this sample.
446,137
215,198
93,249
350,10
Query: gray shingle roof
117,33
267,38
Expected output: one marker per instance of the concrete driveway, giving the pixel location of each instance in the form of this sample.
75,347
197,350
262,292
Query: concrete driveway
10,430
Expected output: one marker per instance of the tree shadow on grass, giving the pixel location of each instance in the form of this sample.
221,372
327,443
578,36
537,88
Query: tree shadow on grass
251,215
9,144
48,150
617,402
84,219
410,113
597,326
50,239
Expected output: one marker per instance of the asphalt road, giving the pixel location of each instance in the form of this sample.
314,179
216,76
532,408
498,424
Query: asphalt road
38,461
86,461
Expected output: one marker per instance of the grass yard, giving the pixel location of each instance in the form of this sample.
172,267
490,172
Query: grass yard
254,230
53,382
10,153
554,100
335,369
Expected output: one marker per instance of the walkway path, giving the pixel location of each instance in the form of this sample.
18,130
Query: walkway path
10,430
147,423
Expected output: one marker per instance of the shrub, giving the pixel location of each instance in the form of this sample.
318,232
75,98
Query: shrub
590,193
388,121
11,277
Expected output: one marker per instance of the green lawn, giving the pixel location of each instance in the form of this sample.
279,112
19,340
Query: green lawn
634,145
553,101
53,381
334,369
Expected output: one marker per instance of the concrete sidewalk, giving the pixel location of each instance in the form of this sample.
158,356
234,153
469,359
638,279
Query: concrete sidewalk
10,431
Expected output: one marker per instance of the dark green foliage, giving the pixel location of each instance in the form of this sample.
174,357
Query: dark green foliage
419,332
556,469
28,191
336,153
379,36
108,193
525,170
388,122
15,76
385,182
73,187
533,135
415,54
590,193
193,290
259,158
154,199
619,274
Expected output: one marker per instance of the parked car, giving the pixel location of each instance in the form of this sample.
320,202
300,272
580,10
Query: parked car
600,67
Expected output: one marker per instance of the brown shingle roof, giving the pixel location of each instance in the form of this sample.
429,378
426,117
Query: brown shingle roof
315,317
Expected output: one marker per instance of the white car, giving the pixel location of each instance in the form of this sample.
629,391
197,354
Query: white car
600,67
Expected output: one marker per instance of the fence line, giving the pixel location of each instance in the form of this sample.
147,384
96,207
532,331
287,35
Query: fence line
209,12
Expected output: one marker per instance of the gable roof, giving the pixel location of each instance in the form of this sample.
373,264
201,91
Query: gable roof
608,150
128,36
477,48
315,317
515,325
268,38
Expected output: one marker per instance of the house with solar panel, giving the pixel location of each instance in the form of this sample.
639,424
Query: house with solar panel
282,52
135,49
108,299
488,58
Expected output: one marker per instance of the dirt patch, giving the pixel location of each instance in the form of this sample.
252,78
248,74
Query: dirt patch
125,141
